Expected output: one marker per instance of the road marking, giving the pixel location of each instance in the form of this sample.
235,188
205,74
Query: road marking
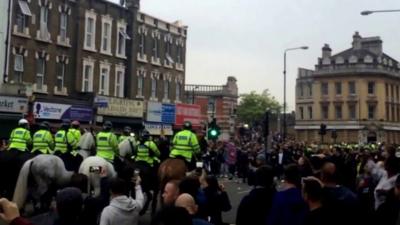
243,192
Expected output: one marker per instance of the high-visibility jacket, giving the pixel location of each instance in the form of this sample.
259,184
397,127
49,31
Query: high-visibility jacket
122,138
43,141
20,138
148,152
107,145
185,143
62,141
77,135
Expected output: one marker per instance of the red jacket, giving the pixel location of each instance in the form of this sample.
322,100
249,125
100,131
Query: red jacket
20,221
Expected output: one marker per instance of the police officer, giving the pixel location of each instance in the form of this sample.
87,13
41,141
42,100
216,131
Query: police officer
126,133
147,150
107,143
75,130
185,144
20,137
65,144
43,142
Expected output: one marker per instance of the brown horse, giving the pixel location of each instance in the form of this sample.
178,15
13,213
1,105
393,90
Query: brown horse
171,169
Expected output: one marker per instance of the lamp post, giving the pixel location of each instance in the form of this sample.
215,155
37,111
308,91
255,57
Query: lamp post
284,87
194,88
369,12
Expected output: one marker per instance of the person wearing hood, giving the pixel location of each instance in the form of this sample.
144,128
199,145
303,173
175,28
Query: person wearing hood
123,210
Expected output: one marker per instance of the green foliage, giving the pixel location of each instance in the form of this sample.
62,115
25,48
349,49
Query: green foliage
253,106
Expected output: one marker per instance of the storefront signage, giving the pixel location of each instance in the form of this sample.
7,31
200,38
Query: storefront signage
13,104
168,114
121,107
154,111
159,129
54,111
186,112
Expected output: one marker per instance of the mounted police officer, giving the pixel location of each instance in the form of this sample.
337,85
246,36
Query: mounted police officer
185,146
66,142
107,143
43,142
126,133
20,137
75,130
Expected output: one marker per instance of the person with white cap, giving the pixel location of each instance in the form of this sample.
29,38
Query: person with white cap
20,137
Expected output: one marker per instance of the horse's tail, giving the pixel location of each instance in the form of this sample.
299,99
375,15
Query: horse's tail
21,189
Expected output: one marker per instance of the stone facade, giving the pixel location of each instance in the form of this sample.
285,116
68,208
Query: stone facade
218,102
355,92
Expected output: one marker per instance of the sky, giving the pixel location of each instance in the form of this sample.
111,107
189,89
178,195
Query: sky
247,38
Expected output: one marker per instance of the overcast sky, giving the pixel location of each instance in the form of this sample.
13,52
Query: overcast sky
246,38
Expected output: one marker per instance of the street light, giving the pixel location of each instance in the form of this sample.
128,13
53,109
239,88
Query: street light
368,12
284,87
194,88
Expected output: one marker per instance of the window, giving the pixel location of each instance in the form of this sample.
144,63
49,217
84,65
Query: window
391,91
397,93
90,32
22,14
352,88
44,16
60,76
338,88
371,112
106,38
140,86
324,112
398,113
310,112
168,51
371,88
63,26
387,112
352,112
179,54
393,113
18,67
324,88
156,48
153,88
121,42
87,81
178,92
310,90
301,113
142,45
166,89
104,80
301,90
338,111
40,72
210,106
119,83
387,90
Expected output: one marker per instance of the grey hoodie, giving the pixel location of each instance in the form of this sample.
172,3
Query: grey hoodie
123,210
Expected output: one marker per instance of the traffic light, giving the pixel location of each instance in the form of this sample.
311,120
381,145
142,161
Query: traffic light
213,130
322,129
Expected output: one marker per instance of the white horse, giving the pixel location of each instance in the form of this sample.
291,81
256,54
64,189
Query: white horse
126,149
46,170
94,177
86,144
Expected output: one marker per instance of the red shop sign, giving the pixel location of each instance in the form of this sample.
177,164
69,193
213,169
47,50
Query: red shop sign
186,112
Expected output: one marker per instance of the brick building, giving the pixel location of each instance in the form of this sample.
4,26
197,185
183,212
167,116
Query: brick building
75,52
355,92
218,102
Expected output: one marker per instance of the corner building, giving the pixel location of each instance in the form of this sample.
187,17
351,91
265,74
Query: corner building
355,92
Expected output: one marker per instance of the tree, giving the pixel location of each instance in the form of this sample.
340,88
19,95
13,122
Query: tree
253,106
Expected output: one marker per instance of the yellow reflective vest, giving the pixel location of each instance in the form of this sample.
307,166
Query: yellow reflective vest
77,135
43,141
148,152
185,143
20,138
107,145
62,141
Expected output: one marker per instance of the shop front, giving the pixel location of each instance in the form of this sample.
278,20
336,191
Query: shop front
160,118
120,111
12,109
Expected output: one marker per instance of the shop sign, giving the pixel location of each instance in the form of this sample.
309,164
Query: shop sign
13,104
121,107
168,114
153,128
54,111
154,111
186,112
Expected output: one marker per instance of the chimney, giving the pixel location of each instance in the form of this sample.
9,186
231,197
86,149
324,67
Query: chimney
326,51
373,44
356,41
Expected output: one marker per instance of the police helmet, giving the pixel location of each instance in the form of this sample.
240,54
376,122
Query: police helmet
23,122
145,135
75,124
107,125
187,125
127,129
44,125
65,125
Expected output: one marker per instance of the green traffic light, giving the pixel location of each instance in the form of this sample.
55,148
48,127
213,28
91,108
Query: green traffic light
213,133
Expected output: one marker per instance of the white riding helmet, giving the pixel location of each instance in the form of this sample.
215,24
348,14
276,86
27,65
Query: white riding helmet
22,122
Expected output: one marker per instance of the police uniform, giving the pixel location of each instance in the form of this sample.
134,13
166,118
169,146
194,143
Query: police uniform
122,138
148,152
185,144
65,141
107,145
77,135
20,138
43,142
